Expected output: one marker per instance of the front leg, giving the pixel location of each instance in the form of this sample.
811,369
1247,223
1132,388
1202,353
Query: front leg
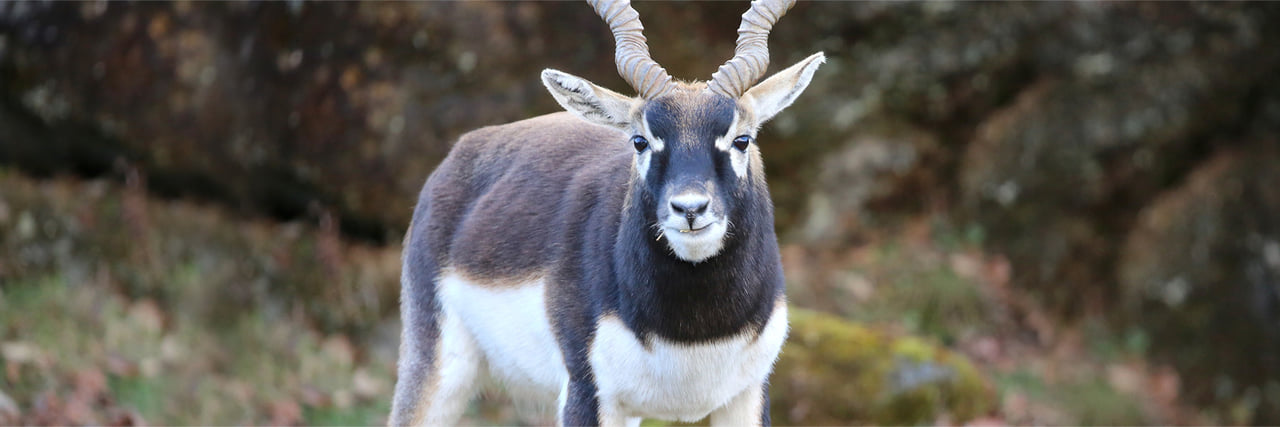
749,408
580,406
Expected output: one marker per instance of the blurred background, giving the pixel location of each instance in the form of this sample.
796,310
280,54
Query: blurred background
991,213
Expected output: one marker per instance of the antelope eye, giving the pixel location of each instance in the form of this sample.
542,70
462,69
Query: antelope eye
742,142
640,143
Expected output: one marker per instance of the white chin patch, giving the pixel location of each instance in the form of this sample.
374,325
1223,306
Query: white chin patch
696,246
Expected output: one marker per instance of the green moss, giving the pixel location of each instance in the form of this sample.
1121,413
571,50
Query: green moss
913,348
835,372
145,395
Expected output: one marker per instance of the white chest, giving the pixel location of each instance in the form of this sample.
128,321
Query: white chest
683,382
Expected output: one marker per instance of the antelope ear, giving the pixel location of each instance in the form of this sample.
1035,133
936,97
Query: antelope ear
778,92
588,101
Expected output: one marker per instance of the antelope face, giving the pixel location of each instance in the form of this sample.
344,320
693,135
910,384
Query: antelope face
696,159
691,169
696,156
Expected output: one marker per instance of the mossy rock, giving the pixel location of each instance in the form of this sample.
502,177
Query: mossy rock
834,372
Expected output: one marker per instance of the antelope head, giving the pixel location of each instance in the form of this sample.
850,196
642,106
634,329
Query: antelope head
697,167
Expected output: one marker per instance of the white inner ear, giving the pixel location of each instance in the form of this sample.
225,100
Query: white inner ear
771,96
593,103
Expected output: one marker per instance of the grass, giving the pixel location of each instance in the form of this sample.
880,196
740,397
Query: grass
114,304
1108,345
1085,401
171,370
147,396
357,415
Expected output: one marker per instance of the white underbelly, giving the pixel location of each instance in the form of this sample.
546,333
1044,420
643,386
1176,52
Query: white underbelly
683,382
509,324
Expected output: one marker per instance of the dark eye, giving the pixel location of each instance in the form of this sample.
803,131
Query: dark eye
640,143
741,143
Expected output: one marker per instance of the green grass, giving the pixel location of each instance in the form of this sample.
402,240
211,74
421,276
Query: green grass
1088,401
1023,381
1095,402
957,238
372,413
1109,345
204,373
147,396
189,315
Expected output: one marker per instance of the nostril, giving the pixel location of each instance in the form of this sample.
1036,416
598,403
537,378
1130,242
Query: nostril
700,208
689,205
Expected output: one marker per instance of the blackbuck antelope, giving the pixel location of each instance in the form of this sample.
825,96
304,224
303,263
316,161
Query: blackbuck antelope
618,261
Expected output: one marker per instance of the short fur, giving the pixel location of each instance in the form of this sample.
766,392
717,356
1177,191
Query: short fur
534,238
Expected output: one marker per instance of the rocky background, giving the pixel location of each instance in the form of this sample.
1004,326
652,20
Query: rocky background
1080,199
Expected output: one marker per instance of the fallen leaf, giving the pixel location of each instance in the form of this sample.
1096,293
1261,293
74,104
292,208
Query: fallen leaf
127,418
78,411
147,315
856,285
149,366
90,383
315,398
367,386
118,365
340,349
343,399
19,352
1125,378
987,422
967,265
285,413
1165,385
171,349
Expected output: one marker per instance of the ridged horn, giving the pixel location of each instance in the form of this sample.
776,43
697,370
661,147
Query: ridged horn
751,57
631,51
